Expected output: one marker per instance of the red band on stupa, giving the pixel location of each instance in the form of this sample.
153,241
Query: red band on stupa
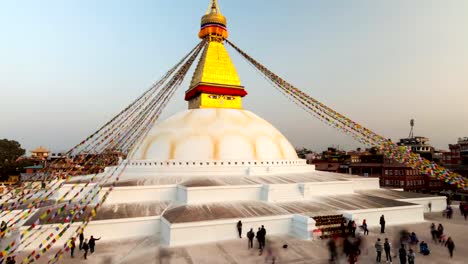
214,90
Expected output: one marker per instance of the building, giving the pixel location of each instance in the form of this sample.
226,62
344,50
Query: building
419,145
463,144
40,153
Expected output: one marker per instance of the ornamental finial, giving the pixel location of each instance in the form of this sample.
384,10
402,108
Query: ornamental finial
213,23
213,8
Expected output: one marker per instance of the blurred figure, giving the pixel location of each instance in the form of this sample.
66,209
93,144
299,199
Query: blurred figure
364,227
411,256
354,226
413,239
388,249
270,255
347,245
343,228
424,248
450,245
440,231
81,237
379,248
350,227
250,236
382,224
239,228
92,243
434,232
402,254
449,212
404,237
85,247
72,247
259,240
465,210
332,249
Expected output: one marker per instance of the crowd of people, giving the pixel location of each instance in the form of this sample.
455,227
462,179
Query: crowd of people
260,235
85,245
408,244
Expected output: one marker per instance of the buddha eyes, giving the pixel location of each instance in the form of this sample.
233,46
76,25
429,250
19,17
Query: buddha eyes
229,98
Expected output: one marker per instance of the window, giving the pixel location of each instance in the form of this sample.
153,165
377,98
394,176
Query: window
386,172
213,96
402,183
391,172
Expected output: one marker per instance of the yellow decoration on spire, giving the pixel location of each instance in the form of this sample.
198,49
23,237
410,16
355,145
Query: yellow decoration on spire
215,83
215,67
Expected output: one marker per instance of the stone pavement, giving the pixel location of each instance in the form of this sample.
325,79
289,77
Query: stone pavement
146,250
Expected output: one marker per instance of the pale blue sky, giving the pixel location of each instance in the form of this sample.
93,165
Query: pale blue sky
66,67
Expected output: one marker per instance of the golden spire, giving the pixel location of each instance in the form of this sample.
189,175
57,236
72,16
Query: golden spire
215,83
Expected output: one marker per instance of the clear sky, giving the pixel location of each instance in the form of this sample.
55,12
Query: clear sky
66,67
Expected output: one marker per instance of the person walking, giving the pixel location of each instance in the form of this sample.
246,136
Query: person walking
402,254
411,256
378,247
72,247
450,245
440,231
81,237
263,236
250,236
388,249
343,228
382,224
434,232
332,249
465,210
85,247
350,227
354,226
364,227
92,243
239,228
259,238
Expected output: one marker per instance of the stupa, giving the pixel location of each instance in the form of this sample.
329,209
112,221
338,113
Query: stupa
194,175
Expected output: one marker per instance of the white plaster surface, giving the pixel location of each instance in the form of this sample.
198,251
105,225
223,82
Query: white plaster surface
214,134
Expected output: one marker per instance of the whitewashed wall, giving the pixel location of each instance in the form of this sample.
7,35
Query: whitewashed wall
209,231
393,215
303,226
438,203
141,194
312,189
282,192
365,183
196,195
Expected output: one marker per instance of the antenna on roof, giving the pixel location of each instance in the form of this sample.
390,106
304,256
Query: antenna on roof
412,126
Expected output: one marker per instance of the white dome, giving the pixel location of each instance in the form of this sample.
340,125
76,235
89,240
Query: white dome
214,134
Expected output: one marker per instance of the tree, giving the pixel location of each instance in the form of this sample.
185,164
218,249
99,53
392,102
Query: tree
10,150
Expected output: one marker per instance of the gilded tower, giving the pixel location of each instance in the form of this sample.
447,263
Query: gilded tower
215,83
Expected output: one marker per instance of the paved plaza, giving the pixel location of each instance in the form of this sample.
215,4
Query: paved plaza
146,250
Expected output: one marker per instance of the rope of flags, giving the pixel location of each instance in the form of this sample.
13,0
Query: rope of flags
360,133
123,131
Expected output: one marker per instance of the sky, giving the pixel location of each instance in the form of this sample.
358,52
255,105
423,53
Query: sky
67,67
